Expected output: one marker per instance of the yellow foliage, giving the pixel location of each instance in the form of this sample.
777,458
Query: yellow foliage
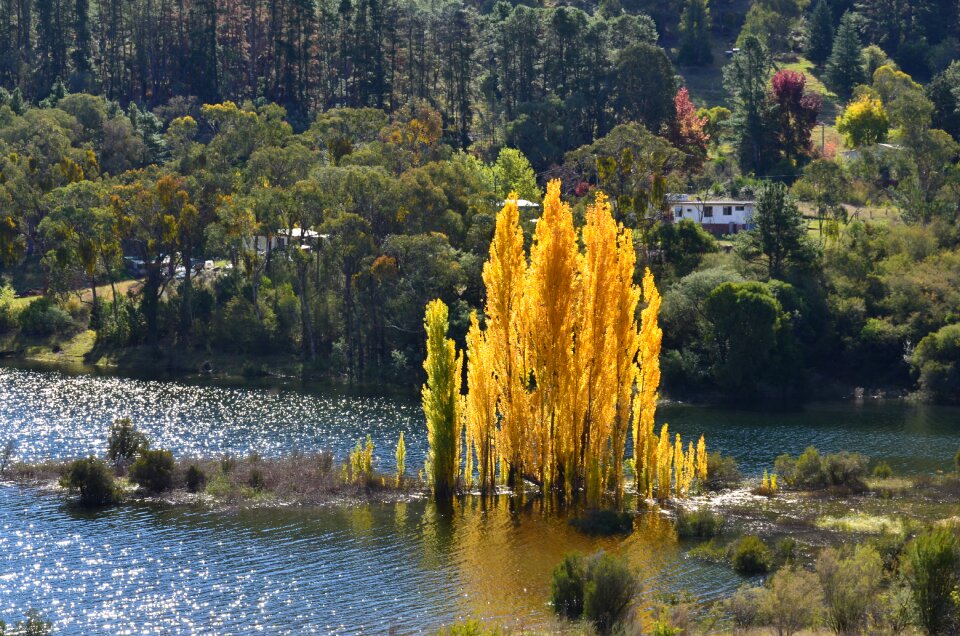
561,372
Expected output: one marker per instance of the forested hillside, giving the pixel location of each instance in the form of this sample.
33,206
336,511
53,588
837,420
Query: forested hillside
295,180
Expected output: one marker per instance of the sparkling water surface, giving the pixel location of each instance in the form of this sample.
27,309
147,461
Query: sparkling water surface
379,568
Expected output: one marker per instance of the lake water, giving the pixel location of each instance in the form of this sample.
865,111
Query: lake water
406,567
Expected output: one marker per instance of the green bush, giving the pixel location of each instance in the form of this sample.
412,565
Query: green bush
750,555
34,625
470,628
701,524
42,317
956,461
566,587
93,479
851,582
609,589
153,470
256,480
125,442
196,479
882,471
790,602
933,573
937,361
599,588
722,472
813,471
8,317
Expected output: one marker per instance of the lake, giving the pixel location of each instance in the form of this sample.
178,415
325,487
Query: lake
406,567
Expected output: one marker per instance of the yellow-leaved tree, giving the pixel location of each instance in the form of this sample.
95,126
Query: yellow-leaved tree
561,372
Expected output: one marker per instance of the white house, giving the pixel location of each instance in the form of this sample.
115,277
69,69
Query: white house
284,237
717,216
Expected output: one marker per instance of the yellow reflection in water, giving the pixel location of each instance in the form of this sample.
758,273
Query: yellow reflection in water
505,553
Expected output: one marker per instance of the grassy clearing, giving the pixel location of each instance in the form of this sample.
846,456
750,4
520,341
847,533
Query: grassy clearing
861,524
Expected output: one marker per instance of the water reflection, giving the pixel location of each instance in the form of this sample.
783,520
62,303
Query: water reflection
411,566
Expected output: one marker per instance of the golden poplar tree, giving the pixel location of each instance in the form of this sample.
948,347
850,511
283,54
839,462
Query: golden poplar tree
442,403
481,407
702,460
503,275
561,371
596,394
626,297
648,381
549,312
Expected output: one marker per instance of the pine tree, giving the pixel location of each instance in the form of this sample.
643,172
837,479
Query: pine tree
695,34
845,66
746,79
820,33
441,401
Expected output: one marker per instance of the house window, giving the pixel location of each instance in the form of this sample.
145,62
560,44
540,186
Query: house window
679,213
708,211
727,210
740,208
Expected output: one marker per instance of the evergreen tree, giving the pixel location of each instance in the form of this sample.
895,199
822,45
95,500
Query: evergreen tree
695,34
81,55
820,33
746,79
845,66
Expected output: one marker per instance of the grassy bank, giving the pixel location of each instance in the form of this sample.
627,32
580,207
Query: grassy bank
313,479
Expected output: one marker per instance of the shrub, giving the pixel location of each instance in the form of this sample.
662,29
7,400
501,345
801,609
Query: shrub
34,625
227,464
93,479
609,589
599,588
196,479
850,584
750,555
813,471
786,550
791,601
125,442
256,480
882,471
722,472
470,628
566,587
935,360
933,574
956,461
42,317
153,470
8,318
744,606
702,523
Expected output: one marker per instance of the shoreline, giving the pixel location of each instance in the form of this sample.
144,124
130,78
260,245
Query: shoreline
284,372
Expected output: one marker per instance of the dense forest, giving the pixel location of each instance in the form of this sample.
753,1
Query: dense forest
297,179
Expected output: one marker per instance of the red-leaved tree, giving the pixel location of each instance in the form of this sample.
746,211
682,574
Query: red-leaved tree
687,131
794,112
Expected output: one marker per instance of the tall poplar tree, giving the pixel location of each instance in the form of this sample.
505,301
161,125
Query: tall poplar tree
442,403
